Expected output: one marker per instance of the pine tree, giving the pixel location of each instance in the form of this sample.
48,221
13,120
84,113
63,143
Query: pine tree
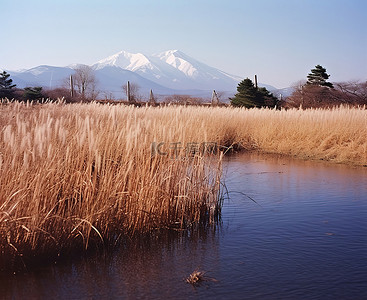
249,96
318,76
246,94
6,86
33,93
268,98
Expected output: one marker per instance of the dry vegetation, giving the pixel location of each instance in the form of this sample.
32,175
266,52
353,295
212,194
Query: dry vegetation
337,135
77,175
72,176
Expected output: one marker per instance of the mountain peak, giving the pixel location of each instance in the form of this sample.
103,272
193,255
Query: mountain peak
173,69
169,52
124,60
174,53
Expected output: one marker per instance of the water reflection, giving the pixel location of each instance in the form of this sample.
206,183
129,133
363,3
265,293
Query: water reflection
151,268
303,237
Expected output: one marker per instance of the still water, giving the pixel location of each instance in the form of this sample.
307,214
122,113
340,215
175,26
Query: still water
290,229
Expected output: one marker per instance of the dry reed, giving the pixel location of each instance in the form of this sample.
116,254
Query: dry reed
72,175
76,175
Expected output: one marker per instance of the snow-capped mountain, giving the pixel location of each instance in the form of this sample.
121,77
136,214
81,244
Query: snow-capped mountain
124,60
172,69
109,79
169,72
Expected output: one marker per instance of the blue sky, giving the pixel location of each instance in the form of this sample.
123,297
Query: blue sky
279,40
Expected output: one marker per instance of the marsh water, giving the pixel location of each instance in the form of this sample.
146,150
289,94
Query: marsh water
290,229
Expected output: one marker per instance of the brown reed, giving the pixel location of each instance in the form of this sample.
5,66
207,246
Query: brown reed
77,175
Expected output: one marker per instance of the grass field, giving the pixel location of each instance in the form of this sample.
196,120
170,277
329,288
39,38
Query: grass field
77,175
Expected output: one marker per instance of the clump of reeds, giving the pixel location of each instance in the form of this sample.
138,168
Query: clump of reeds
72,176
197,277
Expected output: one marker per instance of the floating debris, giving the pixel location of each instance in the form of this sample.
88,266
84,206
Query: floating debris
196,277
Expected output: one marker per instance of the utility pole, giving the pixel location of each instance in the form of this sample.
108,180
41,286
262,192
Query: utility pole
71,86
128,92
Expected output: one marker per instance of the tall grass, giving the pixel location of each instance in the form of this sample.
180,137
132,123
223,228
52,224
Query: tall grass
79,174
82,174
337,135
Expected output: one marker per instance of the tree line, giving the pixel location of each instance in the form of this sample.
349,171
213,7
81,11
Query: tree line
316,92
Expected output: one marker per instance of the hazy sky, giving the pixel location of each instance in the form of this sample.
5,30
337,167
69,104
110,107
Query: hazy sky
279,40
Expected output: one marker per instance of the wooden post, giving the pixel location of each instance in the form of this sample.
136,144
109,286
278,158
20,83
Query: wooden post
128,92
215,99
151,98
71,86
256,81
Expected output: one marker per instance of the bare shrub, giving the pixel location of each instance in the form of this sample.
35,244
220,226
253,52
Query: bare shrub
59,93
135,96
353,91
314,96
183,100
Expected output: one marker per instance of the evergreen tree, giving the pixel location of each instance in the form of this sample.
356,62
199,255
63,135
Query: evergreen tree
6,86
246,94
318,76
33,93
268,98
249,96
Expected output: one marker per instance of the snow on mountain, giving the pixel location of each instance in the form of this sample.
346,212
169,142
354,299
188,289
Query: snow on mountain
173,69
125,60
168,72
191,67
180,61
109,79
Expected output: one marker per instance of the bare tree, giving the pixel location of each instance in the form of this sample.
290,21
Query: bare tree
108,96
134,91
354,91
307,96
84,82
297,97
221,95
